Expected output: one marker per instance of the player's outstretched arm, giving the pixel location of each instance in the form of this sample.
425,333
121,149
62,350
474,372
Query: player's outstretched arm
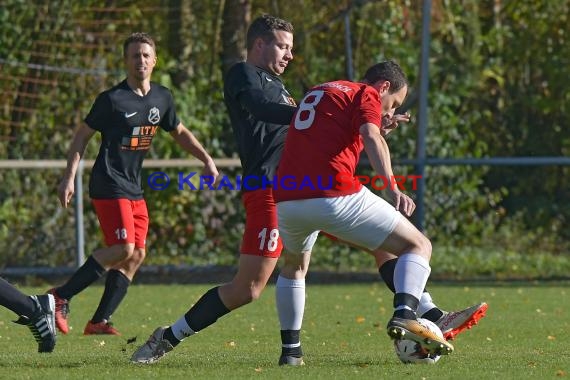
379,155
190,143
377,149
81,137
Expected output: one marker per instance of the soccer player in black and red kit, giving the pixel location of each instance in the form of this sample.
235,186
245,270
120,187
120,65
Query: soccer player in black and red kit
260,109
128,116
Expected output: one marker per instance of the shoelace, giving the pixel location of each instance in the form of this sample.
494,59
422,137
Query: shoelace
63,305
152,341
156,342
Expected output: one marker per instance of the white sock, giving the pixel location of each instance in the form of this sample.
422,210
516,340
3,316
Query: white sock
426,304
290,300
181,330
411,274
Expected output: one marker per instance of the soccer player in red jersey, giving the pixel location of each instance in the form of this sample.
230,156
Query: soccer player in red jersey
128,116
335,121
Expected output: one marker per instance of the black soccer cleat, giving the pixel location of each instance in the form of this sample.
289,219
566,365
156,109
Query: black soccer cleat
42,324
291,360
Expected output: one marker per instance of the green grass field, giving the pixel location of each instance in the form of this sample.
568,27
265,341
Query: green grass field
524,336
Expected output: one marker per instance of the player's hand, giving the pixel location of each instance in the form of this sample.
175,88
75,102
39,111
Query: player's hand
402,202
389,123
210,170
65,191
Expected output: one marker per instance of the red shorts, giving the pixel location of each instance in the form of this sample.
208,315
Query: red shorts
261,236
122,221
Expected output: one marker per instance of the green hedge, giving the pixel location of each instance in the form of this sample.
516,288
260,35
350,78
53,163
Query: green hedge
498,87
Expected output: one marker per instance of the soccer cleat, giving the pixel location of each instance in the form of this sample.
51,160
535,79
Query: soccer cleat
42,324
101,328
61,312
400,328
455,322
154,348
291,360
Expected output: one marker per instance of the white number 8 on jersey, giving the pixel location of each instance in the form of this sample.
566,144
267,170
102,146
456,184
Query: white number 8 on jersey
307,109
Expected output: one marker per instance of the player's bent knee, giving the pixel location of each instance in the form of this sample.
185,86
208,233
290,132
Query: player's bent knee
420,245
124,251
243,297
426,247
255,293
138,256
248,297
299,260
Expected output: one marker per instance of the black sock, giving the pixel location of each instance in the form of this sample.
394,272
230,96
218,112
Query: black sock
405,306
433,314
206,311
387,274
115,290
291,343
15,300
169,336
203,314
87,274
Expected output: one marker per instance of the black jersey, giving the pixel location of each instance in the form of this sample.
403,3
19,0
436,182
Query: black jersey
127,123
260,110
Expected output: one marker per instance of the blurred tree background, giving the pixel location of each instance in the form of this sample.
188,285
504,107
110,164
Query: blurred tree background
499,87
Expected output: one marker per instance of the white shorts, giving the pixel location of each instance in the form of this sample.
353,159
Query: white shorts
363,219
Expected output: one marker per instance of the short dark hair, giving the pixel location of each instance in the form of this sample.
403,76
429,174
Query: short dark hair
264,26
389,71
142,38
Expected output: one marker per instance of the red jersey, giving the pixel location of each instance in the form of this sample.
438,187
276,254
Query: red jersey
323,144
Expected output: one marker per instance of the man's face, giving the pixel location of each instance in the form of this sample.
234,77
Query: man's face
276,55
391,101
140,60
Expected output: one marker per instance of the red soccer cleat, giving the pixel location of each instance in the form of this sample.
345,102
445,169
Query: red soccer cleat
61,311
101,328
455,322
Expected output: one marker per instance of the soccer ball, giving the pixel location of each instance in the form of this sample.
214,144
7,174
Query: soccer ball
409,351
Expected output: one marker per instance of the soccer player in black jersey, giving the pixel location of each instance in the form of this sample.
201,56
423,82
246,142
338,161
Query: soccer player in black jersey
128,116
260,110
36,312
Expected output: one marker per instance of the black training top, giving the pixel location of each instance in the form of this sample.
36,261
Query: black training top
260,110
127,123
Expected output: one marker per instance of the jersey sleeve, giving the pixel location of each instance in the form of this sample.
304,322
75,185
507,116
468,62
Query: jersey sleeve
369,109
170,119
265,110
244,85
99,117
